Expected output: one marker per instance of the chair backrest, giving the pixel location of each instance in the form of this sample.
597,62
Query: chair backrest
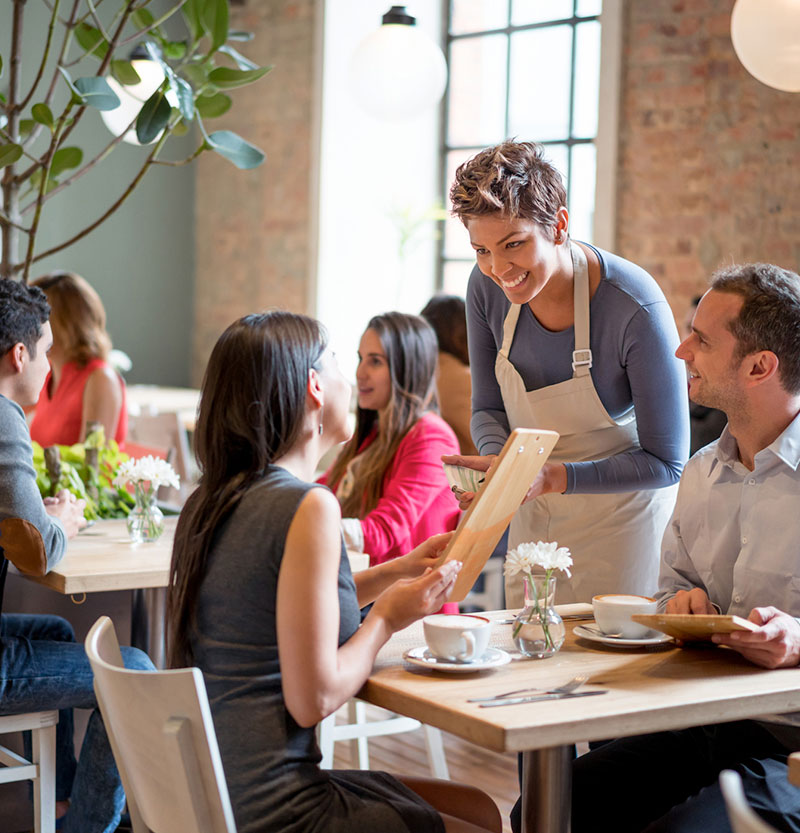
162,735
741,815
165,433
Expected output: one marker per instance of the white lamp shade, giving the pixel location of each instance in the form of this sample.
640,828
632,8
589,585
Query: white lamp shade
397,72
766,38
131,99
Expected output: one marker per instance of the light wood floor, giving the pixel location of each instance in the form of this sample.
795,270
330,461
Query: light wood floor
405,754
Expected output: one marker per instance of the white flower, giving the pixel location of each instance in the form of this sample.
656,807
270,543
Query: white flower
156,471
549,556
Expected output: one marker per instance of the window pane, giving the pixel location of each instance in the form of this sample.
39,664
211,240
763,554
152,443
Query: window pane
477,95
456,239
538,11
478,15
585,8
455,277
558,155
581,194
540,82
587,79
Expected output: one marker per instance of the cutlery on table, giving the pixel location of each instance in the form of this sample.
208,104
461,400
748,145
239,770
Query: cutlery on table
594,629
567,688
536,698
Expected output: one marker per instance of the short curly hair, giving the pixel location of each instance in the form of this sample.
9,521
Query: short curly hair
770,315
513,179
23,312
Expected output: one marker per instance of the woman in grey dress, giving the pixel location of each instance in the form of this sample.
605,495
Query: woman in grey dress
262,599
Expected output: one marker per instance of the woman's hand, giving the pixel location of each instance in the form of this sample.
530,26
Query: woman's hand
479,462
425,556
552,478
410,599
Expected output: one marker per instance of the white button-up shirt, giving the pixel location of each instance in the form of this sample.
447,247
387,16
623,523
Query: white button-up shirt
736,533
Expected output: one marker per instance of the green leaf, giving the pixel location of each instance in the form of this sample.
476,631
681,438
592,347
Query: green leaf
235,148
238,35
192,11
66,76
180,129
25,126
9,154
213,106
64,159
142,18
215,18
125,73
42,114
97,93
91,40
175,49
3,99
227,78
241,61
153,117
183,89
197,75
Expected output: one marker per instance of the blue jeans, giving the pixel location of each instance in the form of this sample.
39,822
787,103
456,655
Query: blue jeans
43,668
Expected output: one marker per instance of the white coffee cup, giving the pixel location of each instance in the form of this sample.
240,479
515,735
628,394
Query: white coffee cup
613,611
458,637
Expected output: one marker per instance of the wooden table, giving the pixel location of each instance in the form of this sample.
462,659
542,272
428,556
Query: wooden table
156,399
102,557
649,690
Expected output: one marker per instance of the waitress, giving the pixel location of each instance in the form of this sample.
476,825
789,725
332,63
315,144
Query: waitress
567,337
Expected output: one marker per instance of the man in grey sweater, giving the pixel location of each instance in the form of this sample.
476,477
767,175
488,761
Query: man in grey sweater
41,665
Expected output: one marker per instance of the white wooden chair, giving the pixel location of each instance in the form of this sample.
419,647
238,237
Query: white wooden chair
741,815
358,730
161,732
41,768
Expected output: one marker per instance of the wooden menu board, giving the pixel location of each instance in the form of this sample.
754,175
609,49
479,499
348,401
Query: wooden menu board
525,452
693,627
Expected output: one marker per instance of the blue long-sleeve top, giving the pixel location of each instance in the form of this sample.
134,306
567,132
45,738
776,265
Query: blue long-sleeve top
633,340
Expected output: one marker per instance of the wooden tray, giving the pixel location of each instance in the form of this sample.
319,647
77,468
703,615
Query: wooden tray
693,627
525,452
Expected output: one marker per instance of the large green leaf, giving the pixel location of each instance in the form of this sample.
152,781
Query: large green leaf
152,118
183,90
142,18
91,40
215,18
241,61
9,154
42,114
196,73
64,159
125,73
175,50
97,93
236,149
227,78
25,126
193,15
213,106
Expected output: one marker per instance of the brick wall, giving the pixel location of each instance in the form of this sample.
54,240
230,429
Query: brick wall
253,228
709,157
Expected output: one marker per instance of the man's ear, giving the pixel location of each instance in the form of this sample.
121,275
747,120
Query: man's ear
314,390
761,367
17,356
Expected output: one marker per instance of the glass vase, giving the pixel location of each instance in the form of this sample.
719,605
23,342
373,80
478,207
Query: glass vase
146,520
538,630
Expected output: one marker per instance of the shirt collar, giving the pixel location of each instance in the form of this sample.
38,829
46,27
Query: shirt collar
786,447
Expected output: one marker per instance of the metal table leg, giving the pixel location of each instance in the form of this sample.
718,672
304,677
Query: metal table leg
547,790
148,610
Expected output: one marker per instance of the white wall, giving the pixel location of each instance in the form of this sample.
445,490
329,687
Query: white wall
369,169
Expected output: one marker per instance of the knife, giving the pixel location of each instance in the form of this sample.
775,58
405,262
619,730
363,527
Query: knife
536,698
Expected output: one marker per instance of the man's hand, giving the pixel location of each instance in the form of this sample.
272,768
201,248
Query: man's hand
690,601
776,644
68,509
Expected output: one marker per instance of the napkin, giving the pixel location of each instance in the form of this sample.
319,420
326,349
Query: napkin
577,609
469,480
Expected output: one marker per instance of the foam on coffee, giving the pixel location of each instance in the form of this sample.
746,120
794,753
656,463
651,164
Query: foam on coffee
624,599
457,621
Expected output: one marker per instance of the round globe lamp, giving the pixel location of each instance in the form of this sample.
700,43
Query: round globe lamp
766,39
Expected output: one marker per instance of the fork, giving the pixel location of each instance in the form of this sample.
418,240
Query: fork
567,688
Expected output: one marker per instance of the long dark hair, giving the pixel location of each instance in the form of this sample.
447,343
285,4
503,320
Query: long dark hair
251,413
409,343
447,314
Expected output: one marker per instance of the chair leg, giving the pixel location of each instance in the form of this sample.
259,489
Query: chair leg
44,787
436,756
359,750
325,740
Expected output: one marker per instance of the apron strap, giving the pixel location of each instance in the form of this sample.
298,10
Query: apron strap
509,327
582,355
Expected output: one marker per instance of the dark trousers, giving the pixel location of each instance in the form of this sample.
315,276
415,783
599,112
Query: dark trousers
668,782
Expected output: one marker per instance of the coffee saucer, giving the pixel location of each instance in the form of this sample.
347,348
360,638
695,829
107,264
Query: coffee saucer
422,657
656,639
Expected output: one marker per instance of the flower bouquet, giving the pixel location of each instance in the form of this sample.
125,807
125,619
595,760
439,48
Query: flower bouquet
146,475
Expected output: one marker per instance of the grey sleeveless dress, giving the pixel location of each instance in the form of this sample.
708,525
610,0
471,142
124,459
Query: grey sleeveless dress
272,764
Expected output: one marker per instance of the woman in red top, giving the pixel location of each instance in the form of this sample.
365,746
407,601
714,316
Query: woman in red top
389,477
81,387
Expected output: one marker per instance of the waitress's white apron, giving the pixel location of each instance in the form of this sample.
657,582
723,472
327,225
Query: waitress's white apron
615,539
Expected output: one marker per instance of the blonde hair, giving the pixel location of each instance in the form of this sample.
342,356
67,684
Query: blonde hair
409,343
77,317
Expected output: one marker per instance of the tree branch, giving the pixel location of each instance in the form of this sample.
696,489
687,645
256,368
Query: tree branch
180,162
153,25
45,56
4,218
96,19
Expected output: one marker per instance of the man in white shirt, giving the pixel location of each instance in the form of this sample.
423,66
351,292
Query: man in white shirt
732,546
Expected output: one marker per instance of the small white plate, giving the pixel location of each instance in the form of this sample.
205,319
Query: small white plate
422,657
585,633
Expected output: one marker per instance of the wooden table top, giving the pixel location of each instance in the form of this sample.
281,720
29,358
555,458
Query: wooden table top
649,689
102,557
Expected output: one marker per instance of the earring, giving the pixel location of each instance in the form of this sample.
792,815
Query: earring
319,427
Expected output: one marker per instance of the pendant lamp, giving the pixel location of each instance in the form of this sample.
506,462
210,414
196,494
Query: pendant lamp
766,39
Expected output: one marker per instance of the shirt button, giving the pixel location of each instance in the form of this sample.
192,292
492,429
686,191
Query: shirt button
744,540
752,481
737,599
